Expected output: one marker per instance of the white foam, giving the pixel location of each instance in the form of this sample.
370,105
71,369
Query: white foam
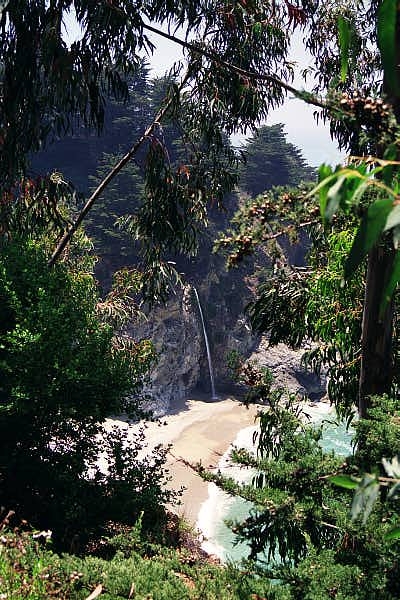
214,510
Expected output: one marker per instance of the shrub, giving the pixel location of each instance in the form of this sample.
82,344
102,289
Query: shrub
60,376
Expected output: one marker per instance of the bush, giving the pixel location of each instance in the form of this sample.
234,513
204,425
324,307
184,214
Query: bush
61,375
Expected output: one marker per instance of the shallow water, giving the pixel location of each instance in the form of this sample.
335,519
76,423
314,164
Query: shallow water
220,507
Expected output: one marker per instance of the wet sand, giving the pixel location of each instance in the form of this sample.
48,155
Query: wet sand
199,430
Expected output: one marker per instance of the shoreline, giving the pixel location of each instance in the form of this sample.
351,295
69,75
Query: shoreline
202,431
199,431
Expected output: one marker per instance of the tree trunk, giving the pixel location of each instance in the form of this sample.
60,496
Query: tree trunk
376,338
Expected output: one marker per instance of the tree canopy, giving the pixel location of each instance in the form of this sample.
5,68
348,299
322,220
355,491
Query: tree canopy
272,161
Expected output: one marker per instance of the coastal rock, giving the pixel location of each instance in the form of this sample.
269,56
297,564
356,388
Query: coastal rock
176,332
285,364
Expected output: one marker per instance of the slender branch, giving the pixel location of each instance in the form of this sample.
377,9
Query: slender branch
304,95
274,236
110,176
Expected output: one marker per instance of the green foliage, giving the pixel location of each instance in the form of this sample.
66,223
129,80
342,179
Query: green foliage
378,436
27,569
350,188
257,380
30,571
320,577
297,304
287,517
302,530
386,34
271,161
62,373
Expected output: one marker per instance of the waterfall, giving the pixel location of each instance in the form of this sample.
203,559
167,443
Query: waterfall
210,367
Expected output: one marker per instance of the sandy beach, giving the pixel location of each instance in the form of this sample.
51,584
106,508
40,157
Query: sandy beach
199,430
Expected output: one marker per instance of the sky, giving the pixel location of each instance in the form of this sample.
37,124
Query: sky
300,126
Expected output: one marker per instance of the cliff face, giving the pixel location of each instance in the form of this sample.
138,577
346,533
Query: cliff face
177,334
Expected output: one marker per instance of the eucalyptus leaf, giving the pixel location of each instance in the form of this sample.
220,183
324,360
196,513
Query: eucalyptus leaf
392,467
365,498
370,497
334,196
344,43
394,491
391,284
371,228
344,481
393,218
386,34
393,534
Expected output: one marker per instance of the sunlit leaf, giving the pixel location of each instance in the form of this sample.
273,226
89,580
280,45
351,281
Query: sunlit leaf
392,467
371,494
394,534
334,197
393,218
344,43
386,33
344,481
365,498
369,232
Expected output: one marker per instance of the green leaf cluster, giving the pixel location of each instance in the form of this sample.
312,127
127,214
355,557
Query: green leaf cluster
62,373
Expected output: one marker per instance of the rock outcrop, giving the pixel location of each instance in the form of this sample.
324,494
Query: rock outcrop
288,371
176,332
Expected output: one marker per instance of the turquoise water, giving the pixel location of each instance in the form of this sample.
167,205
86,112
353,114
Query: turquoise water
220,507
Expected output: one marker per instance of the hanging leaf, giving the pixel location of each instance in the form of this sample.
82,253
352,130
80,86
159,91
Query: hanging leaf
386,33
334,196
392,467
394,534
365,498
344,481
371,228
391,285
393,219
344,45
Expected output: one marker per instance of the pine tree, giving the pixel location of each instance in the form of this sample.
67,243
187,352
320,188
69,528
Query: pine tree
272,161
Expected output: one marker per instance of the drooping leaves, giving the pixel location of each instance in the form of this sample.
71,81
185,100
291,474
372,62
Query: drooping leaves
386,32
364,498
391,284
369,232
344,43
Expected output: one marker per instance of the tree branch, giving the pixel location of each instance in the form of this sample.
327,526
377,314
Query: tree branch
111,175
307,97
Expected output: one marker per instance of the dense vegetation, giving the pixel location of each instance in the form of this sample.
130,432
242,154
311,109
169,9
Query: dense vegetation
65,365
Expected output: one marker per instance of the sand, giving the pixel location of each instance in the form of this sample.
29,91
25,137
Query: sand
199,430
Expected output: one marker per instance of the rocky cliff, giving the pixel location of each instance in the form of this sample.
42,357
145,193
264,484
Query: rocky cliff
176,332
